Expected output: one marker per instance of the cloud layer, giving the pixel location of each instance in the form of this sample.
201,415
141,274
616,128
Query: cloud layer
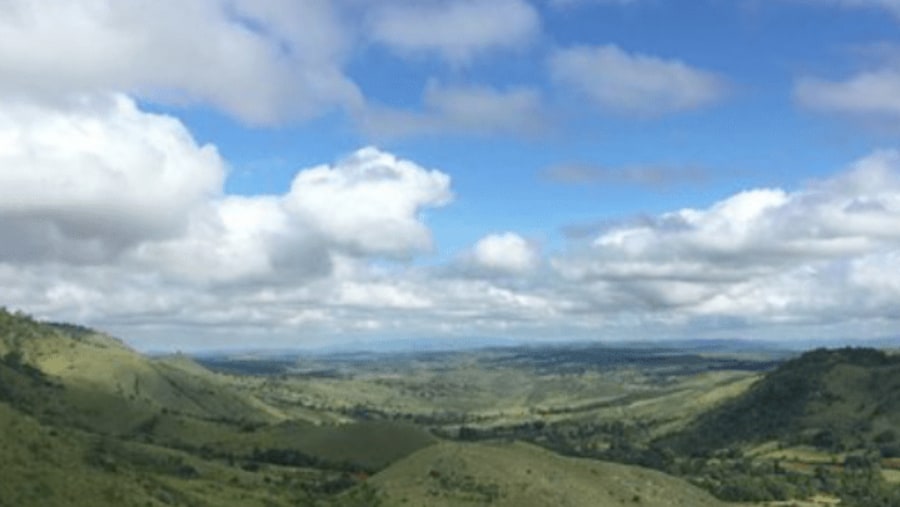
304,265
763,255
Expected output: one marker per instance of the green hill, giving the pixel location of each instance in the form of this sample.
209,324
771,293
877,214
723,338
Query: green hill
837,400
88,421
110,382
522,475
46,465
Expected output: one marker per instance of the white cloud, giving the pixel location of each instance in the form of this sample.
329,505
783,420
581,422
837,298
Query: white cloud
370,202
103,182
262,61
381,294
765,255
238,240
458,31
505,253
470,110
819,258
88,181
635,84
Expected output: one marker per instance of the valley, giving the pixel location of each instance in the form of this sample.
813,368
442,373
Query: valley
87,418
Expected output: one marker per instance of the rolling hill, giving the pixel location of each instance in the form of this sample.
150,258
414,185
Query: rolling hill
87,418
523,475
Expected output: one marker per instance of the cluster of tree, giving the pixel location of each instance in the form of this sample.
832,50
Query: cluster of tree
726,472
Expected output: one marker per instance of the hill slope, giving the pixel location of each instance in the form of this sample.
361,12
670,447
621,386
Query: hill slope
833,399
49,466
110,385
522,475
86,418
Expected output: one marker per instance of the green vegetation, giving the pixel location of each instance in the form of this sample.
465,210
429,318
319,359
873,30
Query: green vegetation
523,475
837,400
87,418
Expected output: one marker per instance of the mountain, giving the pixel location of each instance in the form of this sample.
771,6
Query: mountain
837,399
523,475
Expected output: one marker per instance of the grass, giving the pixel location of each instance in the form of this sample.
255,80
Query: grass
85,417
523,475
51,466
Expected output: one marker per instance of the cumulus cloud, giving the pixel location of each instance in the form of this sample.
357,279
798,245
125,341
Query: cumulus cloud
469,110
457,31
299,266
504,253
368,205
103,182
90,180
634,84
760,254
261,61
238,240
370,202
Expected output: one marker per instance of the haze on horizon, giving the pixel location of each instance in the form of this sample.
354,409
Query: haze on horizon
275,173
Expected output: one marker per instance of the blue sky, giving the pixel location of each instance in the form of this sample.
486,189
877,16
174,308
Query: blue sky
283,173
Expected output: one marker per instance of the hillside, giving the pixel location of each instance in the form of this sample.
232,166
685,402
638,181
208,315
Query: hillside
84,417
522,475
101,374
836,400
52,466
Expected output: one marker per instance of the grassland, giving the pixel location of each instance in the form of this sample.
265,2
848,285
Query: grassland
87,418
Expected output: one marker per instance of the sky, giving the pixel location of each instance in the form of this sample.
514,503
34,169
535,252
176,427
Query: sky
220,174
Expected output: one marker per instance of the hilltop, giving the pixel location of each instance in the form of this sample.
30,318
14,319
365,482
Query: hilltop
523,475
837,400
